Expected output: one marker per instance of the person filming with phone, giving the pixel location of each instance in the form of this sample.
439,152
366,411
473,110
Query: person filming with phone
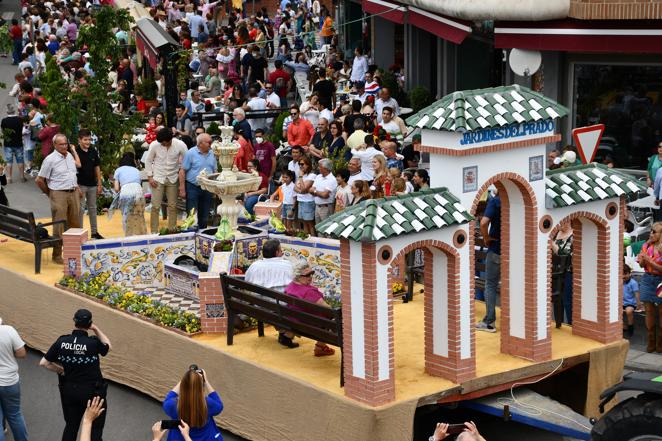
465,432
195,402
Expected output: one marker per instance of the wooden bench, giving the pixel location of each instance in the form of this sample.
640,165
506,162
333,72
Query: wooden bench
265,305
21,225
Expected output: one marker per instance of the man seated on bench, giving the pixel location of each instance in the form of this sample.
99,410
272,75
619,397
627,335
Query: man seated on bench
302,288
273,272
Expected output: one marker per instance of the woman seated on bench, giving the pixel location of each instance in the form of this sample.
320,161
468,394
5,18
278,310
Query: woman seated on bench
302,288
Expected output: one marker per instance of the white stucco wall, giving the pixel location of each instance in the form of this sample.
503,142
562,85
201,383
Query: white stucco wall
440,300
358,329
589,252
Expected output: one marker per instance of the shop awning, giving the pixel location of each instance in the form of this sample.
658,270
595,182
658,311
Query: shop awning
626,36
386,10
451,29
150,39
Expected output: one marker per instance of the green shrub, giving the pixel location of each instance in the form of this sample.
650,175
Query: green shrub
420,97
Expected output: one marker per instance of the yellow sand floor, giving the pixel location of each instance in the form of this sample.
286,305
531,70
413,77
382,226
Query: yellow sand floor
19,256
324,373
410,377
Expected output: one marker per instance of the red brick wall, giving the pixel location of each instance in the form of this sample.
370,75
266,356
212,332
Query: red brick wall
72,240
529,347
602,331
615,9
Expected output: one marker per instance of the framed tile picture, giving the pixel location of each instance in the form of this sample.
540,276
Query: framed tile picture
536,168
470,179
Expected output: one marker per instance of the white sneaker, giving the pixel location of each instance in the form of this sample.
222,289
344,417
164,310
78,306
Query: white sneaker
482,326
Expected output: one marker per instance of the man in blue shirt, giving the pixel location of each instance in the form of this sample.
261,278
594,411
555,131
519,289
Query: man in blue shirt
490,228
196,160
195,22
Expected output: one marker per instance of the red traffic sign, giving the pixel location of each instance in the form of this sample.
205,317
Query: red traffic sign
587,140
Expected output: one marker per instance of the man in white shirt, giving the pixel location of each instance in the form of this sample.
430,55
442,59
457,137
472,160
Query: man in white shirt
11,348
359,66
255,103
273,272
324,190
386,100
293,165
273,100
366,157
355,173
163,161
57,178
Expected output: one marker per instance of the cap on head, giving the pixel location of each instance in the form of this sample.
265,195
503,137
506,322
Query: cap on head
83,318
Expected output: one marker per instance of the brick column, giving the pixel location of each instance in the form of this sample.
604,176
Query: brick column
369,389
600,330
72,240
212,304
529,346
452,366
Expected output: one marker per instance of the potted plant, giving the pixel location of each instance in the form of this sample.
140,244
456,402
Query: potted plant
149,93
420,97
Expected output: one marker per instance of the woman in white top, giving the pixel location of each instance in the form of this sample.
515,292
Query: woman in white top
129,198
309,109
305,200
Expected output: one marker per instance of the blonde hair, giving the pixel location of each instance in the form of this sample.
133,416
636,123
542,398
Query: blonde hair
657,226
398,185
382,165
395,172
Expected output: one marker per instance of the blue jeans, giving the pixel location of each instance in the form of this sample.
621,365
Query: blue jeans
492,277
250,202
199,199
17,48
10,410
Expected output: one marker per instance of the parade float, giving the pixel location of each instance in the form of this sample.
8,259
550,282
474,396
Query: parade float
398,357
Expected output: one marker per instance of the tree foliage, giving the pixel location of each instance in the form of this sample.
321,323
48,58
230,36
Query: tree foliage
62,103
90,107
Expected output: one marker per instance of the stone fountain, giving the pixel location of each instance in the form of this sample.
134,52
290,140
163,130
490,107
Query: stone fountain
229,182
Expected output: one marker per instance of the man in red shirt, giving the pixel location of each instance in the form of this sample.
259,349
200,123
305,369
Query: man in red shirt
16,35
281,81
300,131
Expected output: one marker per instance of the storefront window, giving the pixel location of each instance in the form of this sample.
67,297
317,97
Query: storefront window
627,100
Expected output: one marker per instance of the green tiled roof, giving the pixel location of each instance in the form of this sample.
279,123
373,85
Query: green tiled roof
487,108
377,219
586,183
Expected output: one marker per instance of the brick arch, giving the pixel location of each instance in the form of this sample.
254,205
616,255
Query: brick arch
452,366
601,330
518,180
530,346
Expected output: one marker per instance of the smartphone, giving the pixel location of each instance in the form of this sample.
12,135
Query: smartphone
170,424
454,429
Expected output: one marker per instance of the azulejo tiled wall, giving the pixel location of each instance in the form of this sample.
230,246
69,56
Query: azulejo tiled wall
136,261
323,255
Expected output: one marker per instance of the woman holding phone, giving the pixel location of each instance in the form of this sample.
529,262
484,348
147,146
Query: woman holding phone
194,401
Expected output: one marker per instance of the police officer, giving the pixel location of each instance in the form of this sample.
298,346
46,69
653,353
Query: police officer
75,358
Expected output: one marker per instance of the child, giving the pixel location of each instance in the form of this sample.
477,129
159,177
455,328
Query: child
285,193
408,176
398,187
344,194
630,300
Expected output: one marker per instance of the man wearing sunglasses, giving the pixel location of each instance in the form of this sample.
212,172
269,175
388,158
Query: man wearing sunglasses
300,130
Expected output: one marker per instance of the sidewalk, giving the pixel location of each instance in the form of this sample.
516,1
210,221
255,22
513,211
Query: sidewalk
642,361
638,359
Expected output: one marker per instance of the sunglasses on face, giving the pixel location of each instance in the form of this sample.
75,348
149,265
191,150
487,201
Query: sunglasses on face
294,113
310,274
